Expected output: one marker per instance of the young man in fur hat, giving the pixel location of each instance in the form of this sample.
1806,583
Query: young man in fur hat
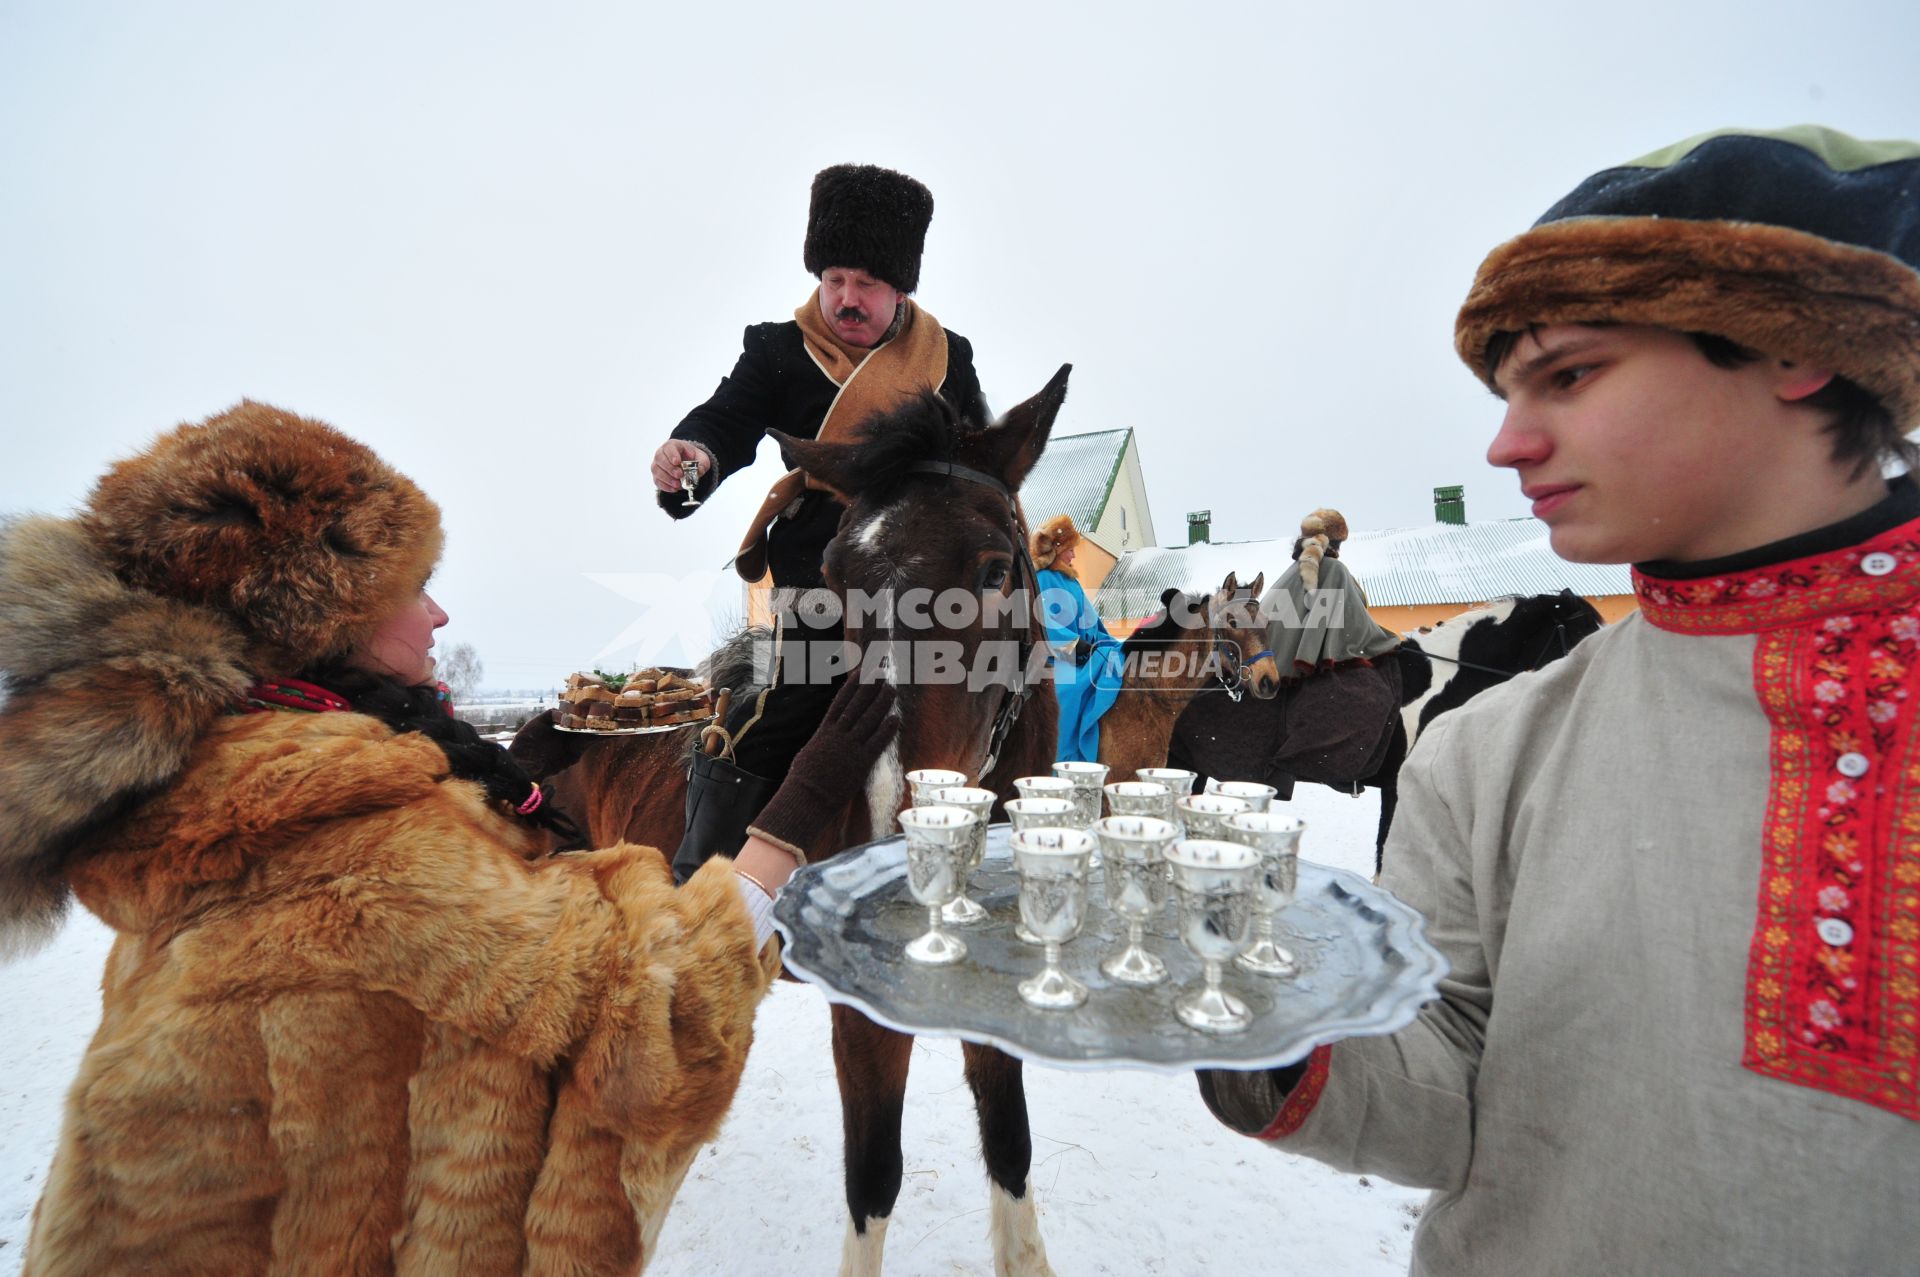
858,346
1676,876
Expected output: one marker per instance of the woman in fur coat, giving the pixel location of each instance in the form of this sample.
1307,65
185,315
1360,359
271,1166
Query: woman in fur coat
356,1019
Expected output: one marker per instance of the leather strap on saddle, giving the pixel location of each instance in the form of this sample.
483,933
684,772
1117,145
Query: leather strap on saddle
911,362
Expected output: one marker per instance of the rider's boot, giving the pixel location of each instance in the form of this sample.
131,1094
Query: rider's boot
722,801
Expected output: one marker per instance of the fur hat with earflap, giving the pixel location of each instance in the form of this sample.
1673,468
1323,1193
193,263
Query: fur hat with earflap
248,547
1802,243
1053,536
1320,536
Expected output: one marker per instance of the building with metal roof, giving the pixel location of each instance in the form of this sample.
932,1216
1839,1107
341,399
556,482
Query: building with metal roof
1095,479
1412,576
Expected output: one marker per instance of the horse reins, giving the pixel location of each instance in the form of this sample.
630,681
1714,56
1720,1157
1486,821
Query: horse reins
1016,699
1540,658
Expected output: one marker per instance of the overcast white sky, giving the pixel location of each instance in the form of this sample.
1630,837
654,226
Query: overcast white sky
510,245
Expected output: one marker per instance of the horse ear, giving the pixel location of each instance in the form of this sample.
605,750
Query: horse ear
1232,583
1017,442
1167,596
1259,585
829,465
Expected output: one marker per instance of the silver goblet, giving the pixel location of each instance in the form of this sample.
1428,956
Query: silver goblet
1038,813
963,910
1087,778
1256,796
1136,882
1177,779
925,782
690,480
1140,798
1277,839
1053,869
1044,787
1214,883
937,840
1205,815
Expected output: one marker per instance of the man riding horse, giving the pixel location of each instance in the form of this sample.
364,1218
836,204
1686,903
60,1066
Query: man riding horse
1328,648
1332,719
859,345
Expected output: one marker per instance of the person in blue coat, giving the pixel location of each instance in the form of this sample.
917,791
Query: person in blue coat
1086,660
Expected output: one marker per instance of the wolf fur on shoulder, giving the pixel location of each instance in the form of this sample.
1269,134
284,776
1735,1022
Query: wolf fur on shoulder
353,1021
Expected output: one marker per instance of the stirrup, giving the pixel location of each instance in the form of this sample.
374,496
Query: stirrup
722,800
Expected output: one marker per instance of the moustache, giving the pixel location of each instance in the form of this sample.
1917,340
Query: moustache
851,314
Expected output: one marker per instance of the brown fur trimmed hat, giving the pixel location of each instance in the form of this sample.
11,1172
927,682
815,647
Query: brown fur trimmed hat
1320,535
1803,244
297,532
868,218
1051,537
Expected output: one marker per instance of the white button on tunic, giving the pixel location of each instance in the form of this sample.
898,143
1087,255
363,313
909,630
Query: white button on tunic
1834,931
1879,563
1853,765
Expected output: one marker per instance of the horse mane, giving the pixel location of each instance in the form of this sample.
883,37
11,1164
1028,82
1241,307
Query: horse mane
1160,631
886,447
731,665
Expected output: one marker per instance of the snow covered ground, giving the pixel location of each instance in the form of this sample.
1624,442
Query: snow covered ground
1131,1174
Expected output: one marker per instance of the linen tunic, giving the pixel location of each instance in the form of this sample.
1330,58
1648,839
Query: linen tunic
1688,859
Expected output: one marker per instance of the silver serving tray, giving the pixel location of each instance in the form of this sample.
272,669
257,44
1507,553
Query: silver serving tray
1367,968
634,731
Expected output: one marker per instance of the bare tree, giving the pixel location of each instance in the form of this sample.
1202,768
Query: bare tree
460,670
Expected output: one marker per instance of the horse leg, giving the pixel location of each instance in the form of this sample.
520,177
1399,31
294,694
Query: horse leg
870,1062
1006,1143
1389,799
1387,780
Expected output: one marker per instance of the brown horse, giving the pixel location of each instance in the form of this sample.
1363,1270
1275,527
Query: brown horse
932,521
1195,643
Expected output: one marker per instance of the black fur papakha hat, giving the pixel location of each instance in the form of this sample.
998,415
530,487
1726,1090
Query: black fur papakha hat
868,218
1803,244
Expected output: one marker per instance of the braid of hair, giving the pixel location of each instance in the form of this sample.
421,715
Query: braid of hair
425,709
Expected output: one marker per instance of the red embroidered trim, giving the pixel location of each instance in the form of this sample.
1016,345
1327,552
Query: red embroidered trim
1300,1100
292,693
1833,975
1788,593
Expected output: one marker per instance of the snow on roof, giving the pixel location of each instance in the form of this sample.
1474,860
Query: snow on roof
1399,567
1074,476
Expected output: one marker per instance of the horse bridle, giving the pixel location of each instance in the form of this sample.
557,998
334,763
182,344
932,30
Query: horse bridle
1016,698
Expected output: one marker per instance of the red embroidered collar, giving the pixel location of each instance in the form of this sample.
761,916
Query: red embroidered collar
1878,572
292,693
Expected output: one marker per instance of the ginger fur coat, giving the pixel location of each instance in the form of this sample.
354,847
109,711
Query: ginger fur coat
353,1022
